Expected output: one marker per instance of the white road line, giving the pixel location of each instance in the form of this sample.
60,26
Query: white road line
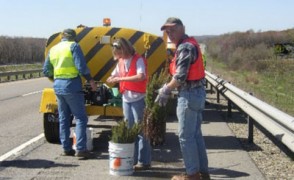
18,149
31,93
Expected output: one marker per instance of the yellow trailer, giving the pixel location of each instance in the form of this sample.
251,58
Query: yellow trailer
95,43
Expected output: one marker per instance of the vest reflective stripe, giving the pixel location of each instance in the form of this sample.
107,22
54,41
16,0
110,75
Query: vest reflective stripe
196,70
139,86
62,60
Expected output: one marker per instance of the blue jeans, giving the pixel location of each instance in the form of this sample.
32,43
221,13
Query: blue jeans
189,112
133,112
72,104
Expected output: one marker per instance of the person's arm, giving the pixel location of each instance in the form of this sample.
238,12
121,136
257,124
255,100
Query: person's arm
81,65
135,78
48,69
114,74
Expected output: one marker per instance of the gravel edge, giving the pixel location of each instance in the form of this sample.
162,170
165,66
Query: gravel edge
268,157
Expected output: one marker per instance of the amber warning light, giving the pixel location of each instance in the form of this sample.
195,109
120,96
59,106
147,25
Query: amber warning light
106,22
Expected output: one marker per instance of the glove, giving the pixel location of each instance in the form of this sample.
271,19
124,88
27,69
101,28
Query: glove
163,95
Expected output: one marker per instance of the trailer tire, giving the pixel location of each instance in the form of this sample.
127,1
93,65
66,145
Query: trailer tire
51,128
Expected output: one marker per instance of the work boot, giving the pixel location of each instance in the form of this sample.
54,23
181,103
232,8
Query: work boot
69,153
140,167
84,155
204,176
195,176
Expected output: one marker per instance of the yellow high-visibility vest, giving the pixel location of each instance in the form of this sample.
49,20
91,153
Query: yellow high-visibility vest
62,60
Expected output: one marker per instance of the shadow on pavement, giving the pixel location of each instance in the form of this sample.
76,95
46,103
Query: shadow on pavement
34,163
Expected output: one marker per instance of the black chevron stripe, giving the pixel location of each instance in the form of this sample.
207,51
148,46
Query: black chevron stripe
51,38
154,46
109,64
98,46
136,36
83,33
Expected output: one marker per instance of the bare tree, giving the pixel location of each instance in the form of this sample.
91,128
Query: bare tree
20,50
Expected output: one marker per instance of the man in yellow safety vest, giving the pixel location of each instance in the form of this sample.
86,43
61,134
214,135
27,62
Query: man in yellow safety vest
65,64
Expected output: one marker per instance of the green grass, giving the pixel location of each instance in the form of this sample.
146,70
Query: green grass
274,86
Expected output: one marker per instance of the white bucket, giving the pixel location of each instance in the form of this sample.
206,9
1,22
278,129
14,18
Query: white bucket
121,159
89,132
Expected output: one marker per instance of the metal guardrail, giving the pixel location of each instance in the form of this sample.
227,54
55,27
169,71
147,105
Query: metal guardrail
276,122
24,74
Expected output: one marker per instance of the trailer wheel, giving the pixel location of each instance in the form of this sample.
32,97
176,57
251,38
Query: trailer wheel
51,127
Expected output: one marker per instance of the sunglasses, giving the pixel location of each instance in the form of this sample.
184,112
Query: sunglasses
116,45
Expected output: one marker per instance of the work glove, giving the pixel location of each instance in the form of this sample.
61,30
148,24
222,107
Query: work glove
163,95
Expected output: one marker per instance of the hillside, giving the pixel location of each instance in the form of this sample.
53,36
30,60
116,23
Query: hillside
255,62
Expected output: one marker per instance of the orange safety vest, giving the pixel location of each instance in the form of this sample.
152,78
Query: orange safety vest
139,86
196,70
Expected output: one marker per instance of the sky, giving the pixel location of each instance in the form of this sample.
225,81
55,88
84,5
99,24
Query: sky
42,18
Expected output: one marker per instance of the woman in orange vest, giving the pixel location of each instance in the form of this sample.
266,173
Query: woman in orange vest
131,74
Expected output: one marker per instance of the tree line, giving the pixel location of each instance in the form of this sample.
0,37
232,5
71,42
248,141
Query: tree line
21,50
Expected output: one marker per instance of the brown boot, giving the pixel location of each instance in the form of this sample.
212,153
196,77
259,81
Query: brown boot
204,176
195,176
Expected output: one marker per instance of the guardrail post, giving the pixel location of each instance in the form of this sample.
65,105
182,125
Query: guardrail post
24,74
217,96
211,88
229,114
275,122
250,129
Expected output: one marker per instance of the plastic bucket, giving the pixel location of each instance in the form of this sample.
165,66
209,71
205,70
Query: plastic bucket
115,92
89,138
121,159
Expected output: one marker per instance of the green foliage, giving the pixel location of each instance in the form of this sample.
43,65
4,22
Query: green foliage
284,50
155,83
124,135
154,119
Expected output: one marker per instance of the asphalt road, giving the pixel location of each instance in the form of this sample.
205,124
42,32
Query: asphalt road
19,113
21,121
